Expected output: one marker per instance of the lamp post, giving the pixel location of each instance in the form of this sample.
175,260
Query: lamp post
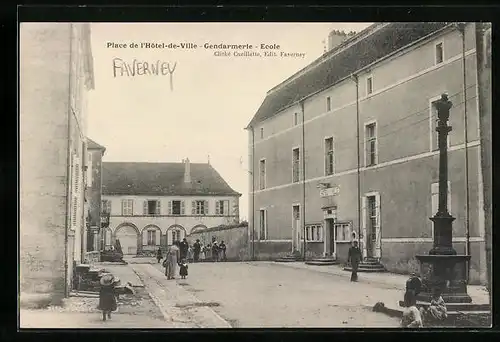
442,267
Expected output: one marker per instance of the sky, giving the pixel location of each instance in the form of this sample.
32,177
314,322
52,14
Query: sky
198,109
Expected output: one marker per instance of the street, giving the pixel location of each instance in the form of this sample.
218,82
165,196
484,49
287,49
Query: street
255,295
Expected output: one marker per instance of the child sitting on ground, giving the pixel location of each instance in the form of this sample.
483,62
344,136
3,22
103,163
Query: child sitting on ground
411,315
183,272
437,310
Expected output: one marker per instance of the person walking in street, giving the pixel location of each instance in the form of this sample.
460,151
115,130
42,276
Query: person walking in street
354,257
208,252
159,255
202,253
222,248
190,254
183,271
107,296
197,250
184,246
171,260
215,252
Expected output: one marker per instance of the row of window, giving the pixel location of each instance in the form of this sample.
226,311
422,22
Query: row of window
370,149
343,230
370,153
438,59
175,207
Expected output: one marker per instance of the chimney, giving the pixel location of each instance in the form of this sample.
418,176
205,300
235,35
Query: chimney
336,37
187,171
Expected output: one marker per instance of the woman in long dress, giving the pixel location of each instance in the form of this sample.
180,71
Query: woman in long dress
171,258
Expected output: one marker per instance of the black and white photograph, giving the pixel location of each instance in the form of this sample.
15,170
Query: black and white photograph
233,175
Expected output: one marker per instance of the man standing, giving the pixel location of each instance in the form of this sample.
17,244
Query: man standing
197,250
184,246
222,249
354,257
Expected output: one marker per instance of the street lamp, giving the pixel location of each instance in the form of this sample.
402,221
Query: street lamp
443,267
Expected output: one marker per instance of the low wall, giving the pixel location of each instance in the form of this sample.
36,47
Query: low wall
235,238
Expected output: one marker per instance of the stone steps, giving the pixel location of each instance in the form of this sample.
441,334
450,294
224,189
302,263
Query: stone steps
289,258
367,267
322,261
457,307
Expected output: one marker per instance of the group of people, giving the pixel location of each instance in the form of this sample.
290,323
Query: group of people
412,316
211,252
180,253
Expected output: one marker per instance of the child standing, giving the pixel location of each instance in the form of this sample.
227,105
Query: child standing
107,296
202,253
411,315
183,272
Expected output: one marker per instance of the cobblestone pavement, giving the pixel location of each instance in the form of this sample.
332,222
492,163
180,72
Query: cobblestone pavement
253,295
177,305
134,311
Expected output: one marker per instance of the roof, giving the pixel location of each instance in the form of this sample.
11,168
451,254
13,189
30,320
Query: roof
337,64
91,144
162,179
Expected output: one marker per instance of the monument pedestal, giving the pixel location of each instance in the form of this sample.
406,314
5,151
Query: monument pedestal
447,272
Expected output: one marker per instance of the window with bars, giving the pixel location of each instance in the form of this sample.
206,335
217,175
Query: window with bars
127,207
371,144
106,206
329,157
222,207
296,165
75,196
314,232
343,231
262,173
200,207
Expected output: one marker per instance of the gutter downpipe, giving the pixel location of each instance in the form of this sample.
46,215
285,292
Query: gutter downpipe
461,29
68,175
303,179
253,193
358,173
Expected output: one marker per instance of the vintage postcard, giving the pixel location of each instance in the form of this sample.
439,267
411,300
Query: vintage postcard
255,175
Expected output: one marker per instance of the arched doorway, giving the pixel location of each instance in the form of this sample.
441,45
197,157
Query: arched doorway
128,235
175,233
151,238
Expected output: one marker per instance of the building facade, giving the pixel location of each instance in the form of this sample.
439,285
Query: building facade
93,190
347,149
153,204
56,73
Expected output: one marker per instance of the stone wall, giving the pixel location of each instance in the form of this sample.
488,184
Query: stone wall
234,237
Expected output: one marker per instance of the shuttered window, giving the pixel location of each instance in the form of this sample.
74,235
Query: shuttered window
127,207
222,207
200,207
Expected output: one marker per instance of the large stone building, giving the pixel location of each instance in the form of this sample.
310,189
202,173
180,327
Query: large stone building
95,153
154,204
361,119
56,73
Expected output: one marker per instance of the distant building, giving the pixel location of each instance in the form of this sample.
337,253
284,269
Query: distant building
56,73
154,204
93,190
361,118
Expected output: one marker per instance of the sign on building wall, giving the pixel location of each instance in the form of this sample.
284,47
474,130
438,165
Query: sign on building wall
333,191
